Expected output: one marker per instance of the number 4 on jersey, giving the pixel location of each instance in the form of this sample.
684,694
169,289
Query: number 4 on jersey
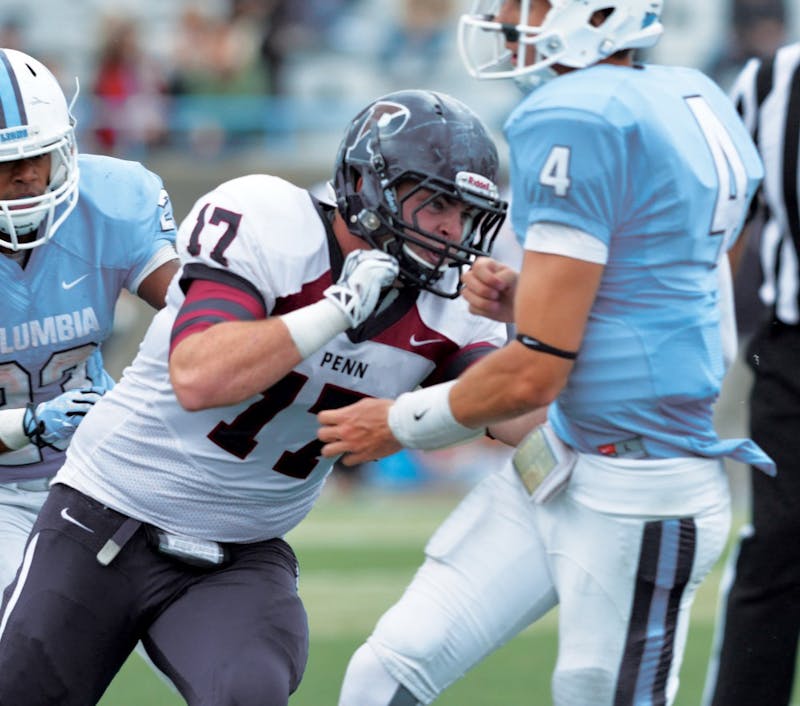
555,172
731,172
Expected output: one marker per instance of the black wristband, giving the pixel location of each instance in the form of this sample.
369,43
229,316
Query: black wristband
536,345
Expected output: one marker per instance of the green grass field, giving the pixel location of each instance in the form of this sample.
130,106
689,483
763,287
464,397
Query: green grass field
356,555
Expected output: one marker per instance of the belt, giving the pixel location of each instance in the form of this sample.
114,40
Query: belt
34,484
202,553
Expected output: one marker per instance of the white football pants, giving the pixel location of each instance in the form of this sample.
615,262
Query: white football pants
621,550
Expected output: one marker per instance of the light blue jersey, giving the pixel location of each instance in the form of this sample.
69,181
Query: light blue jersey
663,178
57,311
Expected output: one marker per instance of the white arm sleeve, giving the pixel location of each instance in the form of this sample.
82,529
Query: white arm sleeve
163,255
314,325
12,433
558,239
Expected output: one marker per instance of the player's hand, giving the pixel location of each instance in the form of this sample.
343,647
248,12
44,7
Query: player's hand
364,274
53,422
489,288
360,431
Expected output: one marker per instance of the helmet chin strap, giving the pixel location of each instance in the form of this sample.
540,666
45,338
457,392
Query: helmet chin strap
20,237
19,256
386,299
421,261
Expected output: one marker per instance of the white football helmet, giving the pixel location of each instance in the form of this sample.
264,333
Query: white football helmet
566,36
35,119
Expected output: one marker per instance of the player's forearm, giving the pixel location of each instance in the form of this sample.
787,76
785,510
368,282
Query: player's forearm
501,386
230,362
495,389
253,355
513,431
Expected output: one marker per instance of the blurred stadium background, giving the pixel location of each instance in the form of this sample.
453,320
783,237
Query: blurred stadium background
204,91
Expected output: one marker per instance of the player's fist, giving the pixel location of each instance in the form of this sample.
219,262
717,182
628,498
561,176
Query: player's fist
358,289
53,422
489,289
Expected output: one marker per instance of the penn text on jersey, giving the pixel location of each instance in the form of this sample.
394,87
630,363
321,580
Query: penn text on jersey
345,365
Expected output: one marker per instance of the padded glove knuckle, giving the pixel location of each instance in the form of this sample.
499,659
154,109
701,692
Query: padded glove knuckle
364,274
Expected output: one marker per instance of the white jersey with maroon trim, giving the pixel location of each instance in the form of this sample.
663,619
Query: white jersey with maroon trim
252,471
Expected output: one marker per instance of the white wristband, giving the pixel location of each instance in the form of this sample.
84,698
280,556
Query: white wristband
423,419
314,325
12,433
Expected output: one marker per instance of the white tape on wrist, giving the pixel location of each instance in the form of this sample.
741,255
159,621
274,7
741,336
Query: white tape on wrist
12,433
423,420
314,325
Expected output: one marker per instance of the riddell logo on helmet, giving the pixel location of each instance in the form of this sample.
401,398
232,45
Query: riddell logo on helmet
477,184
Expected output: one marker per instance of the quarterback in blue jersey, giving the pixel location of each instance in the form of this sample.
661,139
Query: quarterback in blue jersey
630,183
74,231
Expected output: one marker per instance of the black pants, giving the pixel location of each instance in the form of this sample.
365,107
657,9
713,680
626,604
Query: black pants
231,635
762,618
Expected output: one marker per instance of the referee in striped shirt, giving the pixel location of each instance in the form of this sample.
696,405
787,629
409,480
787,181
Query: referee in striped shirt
757,634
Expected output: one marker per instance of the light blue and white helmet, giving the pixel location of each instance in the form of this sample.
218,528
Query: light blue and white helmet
566,37
35,119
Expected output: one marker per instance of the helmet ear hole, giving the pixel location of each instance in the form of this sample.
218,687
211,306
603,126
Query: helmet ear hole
601,16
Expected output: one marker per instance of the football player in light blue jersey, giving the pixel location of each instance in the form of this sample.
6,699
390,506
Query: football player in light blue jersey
630,183
651,346
74,231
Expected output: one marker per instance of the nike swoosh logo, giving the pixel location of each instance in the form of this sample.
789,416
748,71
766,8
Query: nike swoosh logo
69,518
70,285
415,342
420,415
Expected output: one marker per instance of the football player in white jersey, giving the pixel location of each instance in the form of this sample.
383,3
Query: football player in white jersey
629,184
166,522
74,231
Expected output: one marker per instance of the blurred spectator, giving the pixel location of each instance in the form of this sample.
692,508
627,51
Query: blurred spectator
11,33
242,33
418,38
758,28
129,111
191,60
282,32
215,55
292,27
